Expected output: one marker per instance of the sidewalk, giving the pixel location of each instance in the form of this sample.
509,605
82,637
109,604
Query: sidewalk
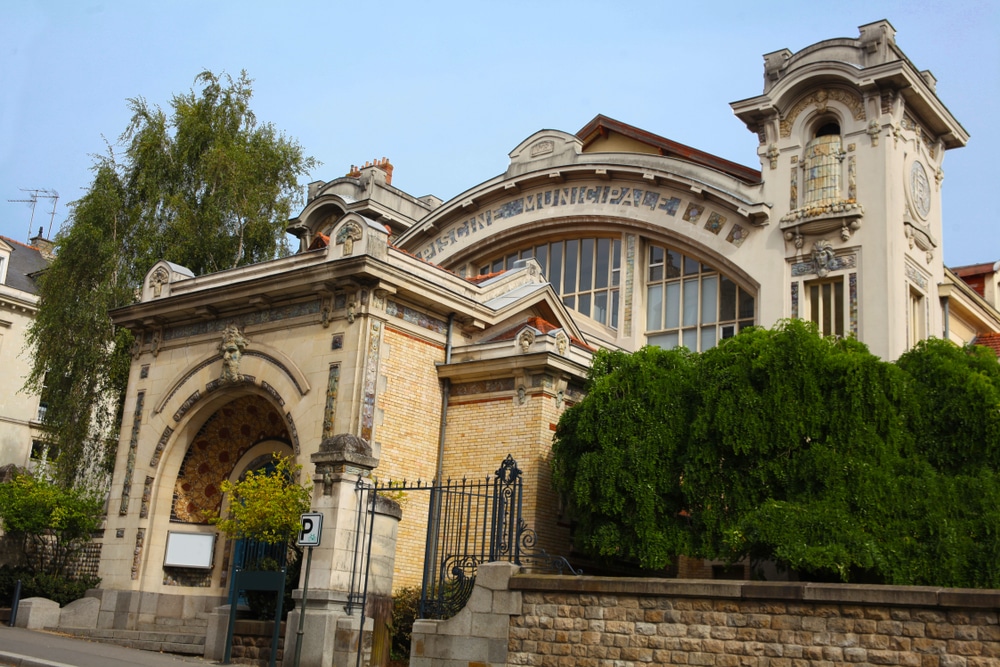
31,648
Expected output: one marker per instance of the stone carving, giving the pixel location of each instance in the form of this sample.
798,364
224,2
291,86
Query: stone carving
562,342
823,256
873,131
522,395
155,345
543,147
772,155
232,346
526,339
347,235
820,99
159,278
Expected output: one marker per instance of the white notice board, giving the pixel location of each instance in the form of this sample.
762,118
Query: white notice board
189,550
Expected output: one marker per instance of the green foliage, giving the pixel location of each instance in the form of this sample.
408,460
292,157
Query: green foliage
405,608
266,505
784,446
206,187
54,523
60,588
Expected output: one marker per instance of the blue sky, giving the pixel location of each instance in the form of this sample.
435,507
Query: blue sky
447,89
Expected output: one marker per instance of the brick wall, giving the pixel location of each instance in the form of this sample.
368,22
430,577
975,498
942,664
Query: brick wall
408,435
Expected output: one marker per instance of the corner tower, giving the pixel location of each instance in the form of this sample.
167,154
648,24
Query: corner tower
852,139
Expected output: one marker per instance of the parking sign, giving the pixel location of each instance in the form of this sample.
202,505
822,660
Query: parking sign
312,529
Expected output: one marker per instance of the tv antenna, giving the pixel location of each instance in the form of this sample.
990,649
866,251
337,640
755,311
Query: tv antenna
34,194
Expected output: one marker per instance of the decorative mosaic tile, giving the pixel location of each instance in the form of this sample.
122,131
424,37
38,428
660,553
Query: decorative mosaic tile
737,235
916,277
160,446
260,317
541,381
337,343
853,291
273,393
120,532
331,401
482,387
415,317
186,405
793,188
693,212
147,492
186,576
140,538
133,445
795,298
836,264
223,439
144,372
371,378
293,433
715,223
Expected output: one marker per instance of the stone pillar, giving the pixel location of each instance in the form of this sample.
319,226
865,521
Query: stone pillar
343,463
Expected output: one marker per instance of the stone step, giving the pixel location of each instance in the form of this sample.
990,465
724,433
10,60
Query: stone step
166,642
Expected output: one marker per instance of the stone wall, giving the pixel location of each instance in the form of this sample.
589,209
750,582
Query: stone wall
626,622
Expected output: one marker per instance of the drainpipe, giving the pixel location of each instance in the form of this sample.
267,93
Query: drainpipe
445,388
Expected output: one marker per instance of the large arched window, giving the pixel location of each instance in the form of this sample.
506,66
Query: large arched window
586,273
691,304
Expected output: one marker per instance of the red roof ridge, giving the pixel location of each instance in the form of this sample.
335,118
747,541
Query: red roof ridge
23,245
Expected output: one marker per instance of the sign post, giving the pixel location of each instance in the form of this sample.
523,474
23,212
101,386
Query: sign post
309,537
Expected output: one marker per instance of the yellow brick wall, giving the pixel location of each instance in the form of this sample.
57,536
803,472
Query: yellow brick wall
408,435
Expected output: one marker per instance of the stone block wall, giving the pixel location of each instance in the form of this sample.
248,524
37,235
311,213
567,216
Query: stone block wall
561,621
626,622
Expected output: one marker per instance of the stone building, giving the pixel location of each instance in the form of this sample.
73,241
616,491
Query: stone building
449,334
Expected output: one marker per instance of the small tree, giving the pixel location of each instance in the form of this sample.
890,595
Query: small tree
267,504
54,523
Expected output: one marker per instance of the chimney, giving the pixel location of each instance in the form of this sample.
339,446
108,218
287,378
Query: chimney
43,245
382,164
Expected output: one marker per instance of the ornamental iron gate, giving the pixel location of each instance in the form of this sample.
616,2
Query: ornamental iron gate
469,522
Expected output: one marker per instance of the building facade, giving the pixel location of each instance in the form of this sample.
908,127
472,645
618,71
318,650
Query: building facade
21,412
449,334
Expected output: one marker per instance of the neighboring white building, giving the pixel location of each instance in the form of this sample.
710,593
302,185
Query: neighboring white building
21,412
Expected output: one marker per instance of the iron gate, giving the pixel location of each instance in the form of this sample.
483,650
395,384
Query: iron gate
469,522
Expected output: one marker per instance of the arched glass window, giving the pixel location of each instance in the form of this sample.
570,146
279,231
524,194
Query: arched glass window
691,304
586,273
822,166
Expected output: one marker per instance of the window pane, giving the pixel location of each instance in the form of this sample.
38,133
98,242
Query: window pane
483,270
613,322
570,302
826,326
497,266
586,264
555,266
814,303
601,307
673,306
838,307
583,305
603,263
690,339
569,273
510,261
616,262
709,301
746,305
655,255
542,256
727,299
654,308
707,338
728,331
667,341
673,269
691,302
690,267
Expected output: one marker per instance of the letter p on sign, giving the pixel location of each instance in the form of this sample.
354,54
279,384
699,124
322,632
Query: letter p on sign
312,529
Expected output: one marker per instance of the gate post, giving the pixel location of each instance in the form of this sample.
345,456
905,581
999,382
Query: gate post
340,573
